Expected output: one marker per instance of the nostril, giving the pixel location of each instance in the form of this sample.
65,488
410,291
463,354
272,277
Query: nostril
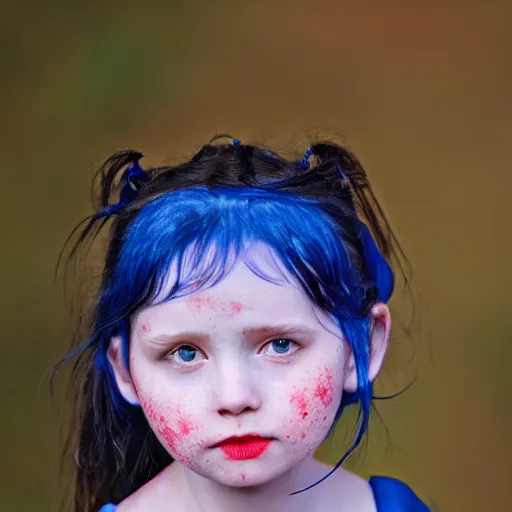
232,411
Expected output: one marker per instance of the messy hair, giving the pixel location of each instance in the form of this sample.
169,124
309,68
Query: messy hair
317,215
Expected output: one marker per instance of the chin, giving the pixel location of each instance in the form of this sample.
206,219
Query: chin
247,474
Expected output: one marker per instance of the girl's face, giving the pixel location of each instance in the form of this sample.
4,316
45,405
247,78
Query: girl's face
244,358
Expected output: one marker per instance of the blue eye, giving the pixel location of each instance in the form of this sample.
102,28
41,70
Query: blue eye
186,356
281,345
186,353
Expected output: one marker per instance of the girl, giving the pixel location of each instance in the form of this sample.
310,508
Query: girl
242,306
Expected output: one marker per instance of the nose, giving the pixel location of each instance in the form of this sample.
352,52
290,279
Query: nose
236,389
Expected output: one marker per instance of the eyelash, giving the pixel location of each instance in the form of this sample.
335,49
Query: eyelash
282,354
170,355
276,355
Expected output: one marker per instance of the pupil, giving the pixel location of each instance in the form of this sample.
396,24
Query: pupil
281,346
187,353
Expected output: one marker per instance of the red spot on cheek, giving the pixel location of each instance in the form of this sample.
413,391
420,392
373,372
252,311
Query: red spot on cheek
299,399
146,328
235,307
172,437
186,426
324,387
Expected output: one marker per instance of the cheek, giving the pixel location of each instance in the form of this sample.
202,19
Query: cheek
313,407
173,427
173,423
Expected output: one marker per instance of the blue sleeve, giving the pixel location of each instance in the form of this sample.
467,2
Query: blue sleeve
391,495
108,508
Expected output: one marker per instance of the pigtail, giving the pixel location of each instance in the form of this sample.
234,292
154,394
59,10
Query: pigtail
104,189
104,184
90,420
377,243
364,201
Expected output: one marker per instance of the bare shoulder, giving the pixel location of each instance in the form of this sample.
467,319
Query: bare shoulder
345,491
154,496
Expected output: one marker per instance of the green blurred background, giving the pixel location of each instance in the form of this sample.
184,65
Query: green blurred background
420,91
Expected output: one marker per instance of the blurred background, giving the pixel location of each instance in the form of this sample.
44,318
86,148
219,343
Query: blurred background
421,92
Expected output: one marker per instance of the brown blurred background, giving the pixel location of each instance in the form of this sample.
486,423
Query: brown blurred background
420,91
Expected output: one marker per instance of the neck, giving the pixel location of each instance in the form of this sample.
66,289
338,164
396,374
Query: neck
205,495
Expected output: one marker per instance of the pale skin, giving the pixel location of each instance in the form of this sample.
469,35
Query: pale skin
245,356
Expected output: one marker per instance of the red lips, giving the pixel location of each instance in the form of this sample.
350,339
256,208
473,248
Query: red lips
245,447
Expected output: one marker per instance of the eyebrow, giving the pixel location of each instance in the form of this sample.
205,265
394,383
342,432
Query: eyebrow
248,332
287,328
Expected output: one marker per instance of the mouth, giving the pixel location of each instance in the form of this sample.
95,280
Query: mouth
246,447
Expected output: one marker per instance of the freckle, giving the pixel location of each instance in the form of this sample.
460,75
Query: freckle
186,426
171,437
288,437
303,435
235,307
325,417
200,303
324,387
299,398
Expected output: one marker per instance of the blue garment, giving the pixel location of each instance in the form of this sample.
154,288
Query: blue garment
108,508
390,494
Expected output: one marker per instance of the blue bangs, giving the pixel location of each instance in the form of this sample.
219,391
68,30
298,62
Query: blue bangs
201,233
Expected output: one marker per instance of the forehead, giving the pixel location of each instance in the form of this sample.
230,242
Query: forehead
240,303
258,292
193,272
256,288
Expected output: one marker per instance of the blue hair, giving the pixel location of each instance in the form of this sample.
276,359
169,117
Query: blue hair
189,223
200,218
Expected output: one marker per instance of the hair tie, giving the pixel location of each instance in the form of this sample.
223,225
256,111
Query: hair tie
304,163
237,142
134,177
379,269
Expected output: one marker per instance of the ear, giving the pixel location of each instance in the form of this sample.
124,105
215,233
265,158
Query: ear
122,375
379,341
